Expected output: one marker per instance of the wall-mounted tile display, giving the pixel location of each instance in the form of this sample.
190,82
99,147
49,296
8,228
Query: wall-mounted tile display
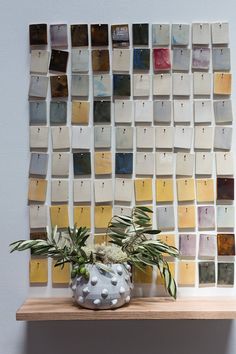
120,36
99,35
79,35
207,246
58,36
38,34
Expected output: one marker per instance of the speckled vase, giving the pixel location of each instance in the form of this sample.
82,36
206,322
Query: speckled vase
104,289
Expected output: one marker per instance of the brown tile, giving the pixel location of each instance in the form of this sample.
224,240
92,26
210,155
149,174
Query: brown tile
99,35
100,60
59,86
225,188
79,35
38,34
58,61
35,235
226,244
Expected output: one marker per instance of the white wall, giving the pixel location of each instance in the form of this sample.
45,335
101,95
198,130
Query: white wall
70,337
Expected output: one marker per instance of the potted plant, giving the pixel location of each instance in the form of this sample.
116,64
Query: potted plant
101,274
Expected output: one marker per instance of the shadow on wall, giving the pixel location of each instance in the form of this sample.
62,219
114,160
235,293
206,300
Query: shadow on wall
133,337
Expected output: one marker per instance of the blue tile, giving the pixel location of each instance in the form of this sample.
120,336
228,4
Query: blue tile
124,163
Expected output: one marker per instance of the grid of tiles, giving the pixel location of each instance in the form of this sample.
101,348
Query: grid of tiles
135,114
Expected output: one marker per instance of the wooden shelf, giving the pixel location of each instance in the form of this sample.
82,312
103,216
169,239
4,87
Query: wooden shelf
54,309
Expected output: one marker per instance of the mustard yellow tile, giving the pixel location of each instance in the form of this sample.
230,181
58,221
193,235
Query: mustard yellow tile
222,83
164,190
169,239
185,189
186,217
186,273
100,238
172,268
38,270
60,275
143,189
82,216
143,277
37,190
102,163
59,216
80,112
205,190
103,214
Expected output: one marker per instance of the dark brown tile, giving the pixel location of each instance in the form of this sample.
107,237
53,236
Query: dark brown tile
58,61
38,34
79,35
120,36
100,60
59,86
99,35
38,235
225,188
226,244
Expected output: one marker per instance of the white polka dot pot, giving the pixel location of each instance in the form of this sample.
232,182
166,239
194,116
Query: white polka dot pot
104,289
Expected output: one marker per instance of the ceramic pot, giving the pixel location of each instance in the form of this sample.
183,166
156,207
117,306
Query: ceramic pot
104,289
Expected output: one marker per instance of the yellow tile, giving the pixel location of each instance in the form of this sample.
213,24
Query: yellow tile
143,189
80,112
82,216
59,216
205,190
169,239
37,190
60,275
101,238
102,163
185,189
164,190
159,279
143,277
38,270
186,271
103,214
222,83
186,217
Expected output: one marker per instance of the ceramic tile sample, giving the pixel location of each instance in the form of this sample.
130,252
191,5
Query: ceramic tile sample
121,210
182,111
38,87
185,189
203,138
204,163
59,86
143,277
38,216
101,112
37,113
165,218
123,190
100,239
120,35
79,86
180,34
99,35
221,59
181,59
224,163
223,138
79,35
203,111
140,34
164,137
181,84
143,190
225,275
222,83
183,137
162,85
59,191
100,60
202,84
144,163
60,164
200,58
103,214
79,60
38,34
161,59
102,85
207,246
206,217
81,137
184,164
123,163
172,268
38,271
225,189
58,61
186,217
39,61
164,163
143,111
59,216
162,112
103,190
164,190
201,33
58,113
223,111
82,216
160,34
35,235
206,271
168,239
141,85
124,138
38,164
120,60
38,137
220,33
141,59
121,85
205,190
102,163
37,190
225,217
226,244
102,137
82,163
123,111
187,245
145,137
186,273
60,138
82,191
58,36
60,276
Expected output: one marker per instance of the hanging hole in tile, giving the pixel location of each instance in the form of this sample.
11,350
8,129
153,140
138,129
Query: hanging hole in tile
59,156
180,27
38,130
226,210
203,157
